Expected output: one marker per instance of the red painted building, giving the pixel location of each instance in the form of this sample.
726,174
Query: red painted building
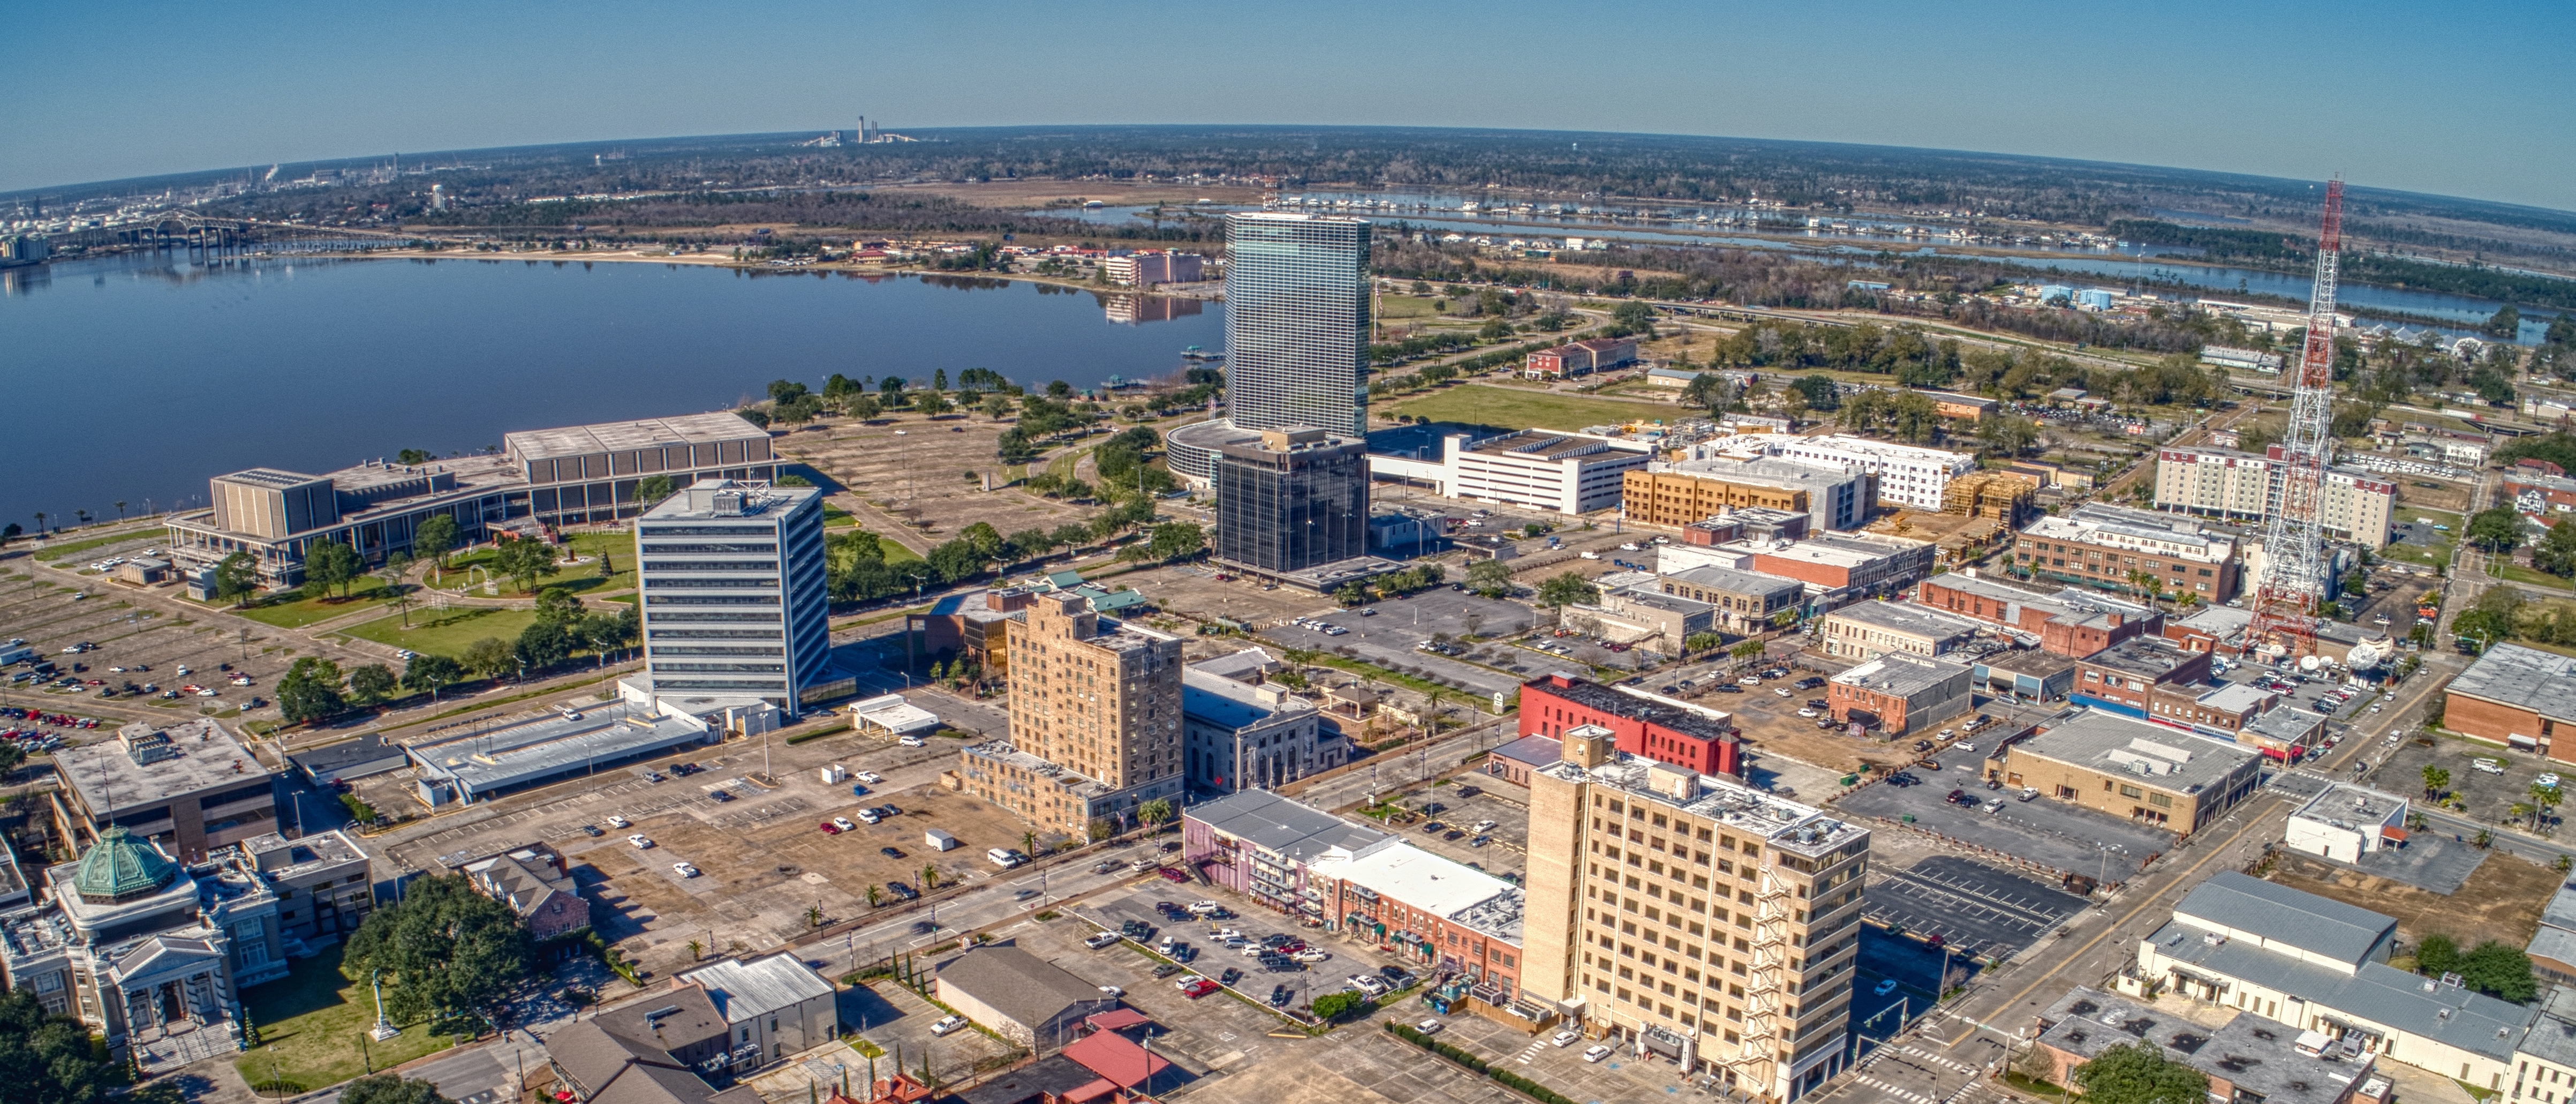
2068,622
1552,704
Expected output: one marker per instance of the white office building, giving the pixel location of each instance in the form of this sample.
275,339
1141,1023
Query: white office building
734,599
1907,474
2241,486
1539,469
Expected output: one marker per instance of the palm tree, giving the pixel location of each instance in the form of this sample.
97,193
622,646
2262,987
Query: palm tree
120,511
40,523
873,894
929,878
83,515
1028,843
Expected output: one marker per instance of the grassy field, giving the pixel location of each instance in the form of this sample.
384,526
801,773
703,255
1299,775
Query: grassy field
301,611
1405,306
310,1023
2436,517
57,552
1495,406
582,578
2521,574
445,632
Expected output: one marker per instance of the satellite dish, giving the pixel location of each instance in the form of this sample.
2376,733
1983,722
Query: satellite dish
2310,663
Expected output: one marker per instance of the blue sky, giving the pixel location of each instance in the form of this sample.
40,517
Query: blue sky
2457,101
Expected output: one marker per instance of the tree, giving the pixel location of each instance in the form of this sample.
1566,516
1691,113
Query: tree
490,657
2497,529
525,560
1633,314
558,605
1820,391
236,576
434,539
1153,814
1701,642
1016,448
331,564
47,1059
654,488
386,1088
371,683
1746,649
431,673
2007,435
1334,1006
1070,535
310,691
444,950
1490,578
2556,552
1353,594
929,878
2436,779
1567,589
2499,970
542,645
2139,1073
1176,539
601,633
412,457
2436,955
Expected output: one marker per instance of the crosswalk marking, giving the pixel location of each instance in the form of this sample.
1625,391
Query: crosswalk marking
1902,1094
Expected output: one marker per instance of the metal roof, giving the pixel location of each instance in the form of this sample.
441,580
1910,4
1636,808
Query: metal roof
1273,823
688,429
2525,678
1537,751
1917,620
2320,925
2376,992
1903,674
2561,911
1020,985
746,988
1217,700
2164,758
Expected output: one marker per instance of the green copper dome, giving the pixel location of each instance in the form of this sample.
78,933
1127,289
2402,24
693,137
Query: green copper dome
120,867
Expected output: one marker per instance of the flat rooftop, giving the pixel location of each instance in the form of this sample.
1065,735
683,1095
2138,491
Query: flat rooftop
1540,444
1073,781
2345,801
287,860
1780,822
2063,602
1889,450
1279,825
539,749
1739,582
1841,550
2150,656
2525,678
1903,674
2236,697
727,500
1219,700
2155,755
1909,618
1434,884
1593,695
584,440
197,756
2249,1051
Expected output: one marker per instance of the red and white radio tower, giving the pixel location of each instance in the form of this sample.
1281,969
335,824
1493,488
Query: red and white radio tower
2294,566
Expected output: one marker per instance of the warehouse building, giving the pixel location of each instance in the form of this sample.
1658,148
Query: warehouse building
1870,629
2515,696
2135,770
479,765
2068,622
1900,693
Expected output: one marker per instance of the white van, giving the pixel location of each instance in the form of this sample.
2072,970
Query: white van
1004,857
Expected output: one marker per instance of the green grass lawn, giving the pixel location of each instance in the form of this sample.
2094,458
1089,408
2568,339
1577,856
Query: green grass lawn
2403,512
58,552
445,632
301,610
310,1025
835,517
581,578
1405,306
2521,574
1481,404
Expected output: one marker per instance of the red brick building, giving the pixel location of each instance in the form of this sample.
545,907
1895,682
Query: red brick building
2128,678
1901,693
2518,697
1551,704
2067,622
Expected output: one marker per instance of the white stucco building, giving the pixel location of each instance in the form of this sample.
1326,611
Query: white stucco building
1908,475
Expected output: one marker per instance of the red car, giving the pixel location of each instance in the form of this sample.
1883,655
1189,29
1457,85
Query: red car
831,829
1176,874
1200,988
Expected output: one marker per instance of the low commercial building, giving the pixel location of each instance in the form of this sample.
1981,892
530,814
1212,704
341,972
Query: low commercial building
2024,675
2515,696
891,715
1237,735
1020,996
2067,622
1742,601
2214,629
189,787
1432,909
534,881
1748,523
2284,732
1838,568
680,1021
1908,475
774,1005
594,1065
574,475
2320,965
2122,549
475,766
1870,629
2553,944
1647,619
2133,769
364,757
1580,358
1260,844
1514,761
1900,693
1951,404
2343,822
1704,740
2250,1059
2240,486
2123,678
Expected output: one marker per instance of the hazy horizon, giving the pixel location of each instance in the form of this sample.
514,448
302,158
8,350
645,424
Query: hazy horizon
2458,103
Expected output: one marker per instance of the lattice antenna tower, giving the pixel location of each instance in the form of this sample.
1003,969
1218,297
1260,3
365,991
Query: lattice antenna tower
2294,566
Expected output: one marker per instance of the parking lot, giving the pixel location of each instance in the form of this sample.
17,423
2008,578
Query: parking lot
2488,797
1463,804
2054,834
1388,638
1210,958
1976,909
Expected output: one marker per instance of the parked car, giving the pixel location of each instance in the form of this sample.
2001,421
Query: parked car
640,841
1101,940
1429,1027
1597,1052
842,823
684,870
947,1026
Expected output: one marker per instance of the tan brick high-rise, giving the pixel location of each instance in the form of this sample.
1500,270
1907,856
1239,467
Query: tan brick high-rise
1715,924
1095,719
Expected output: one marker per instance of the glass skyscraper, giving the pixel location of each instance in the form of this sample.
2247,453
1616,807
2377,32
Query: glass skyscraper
1297,322
1294,499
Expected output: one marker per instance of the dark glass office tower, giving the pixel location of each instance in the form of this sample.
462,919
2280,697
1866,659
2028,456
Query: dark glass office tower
1297,322
1294,499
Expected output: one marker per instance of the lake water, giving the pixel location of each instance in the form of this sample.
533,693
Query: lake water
136,377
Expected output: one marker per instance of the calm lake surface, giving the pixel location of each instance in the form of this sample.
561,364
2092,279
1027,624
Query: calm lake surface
137,377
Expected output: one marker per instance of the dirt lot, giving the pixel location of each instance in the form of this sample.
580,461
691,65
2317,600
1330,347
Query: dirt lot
912,469
2438,494
2502,901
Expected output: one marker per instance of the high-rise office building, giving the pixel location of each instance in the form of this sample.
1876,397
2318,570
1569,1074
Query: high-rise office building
1095,719
734,601
1291,499
1297,321
1708,922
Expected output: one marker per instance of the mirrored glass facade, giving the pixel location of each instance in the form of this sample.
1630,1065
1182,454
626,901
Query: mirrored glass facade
1297,321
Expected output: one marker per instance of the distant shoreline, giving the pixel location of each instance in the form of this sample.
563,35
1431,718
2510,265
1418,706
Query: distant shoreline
708,260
